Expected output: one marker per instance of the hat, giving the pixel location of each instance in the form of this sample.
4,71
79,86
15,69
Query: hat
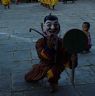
50,17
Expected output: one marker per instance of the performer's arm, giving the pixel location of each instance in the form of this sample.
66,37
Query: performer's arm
42,49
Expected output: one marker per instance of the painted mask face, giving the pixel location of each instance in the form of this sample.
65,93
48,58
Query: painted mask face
51,27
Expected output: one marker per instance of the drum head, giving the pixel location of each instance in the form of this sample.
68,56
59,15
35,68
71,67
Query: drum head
75,40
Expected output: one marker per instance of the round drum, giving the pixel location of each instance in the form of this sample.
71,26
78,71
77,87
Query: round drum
75,40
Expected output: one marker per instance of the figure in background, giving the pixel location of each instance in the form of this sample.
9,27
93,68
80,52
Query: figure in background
6,3
17,2
54,58
49,3
85,29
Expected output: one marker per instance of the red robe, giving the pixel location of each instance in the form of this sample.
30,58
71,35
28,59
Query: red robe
52,62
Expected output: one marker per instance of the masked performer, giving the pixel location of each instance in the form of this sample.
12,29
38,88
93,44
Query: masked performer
52,54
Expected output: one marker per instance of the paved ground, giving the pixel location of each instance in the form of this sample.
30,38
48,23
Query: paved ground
17,51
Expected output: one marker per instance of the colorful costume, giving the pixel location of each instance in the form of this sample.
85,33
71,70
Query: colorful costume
6,2
49,3
52,54
52,62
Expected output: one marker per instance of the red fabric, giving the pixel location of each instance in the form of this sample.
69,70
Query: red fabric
56,64
37,73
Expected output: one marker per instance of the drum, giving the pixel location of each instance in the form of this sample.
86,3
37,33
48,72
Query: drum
75,40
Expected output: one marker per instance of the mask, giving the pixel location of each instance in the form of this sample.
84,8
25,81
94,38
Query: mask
51,27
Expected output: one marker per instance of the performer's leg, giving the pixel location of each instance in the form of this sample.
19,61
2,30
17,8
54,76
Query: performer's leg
53,75
37,73
53,7
29,76
8,6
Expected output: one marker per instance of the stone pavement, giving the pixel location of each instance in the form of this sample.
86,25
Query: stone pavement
17,49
